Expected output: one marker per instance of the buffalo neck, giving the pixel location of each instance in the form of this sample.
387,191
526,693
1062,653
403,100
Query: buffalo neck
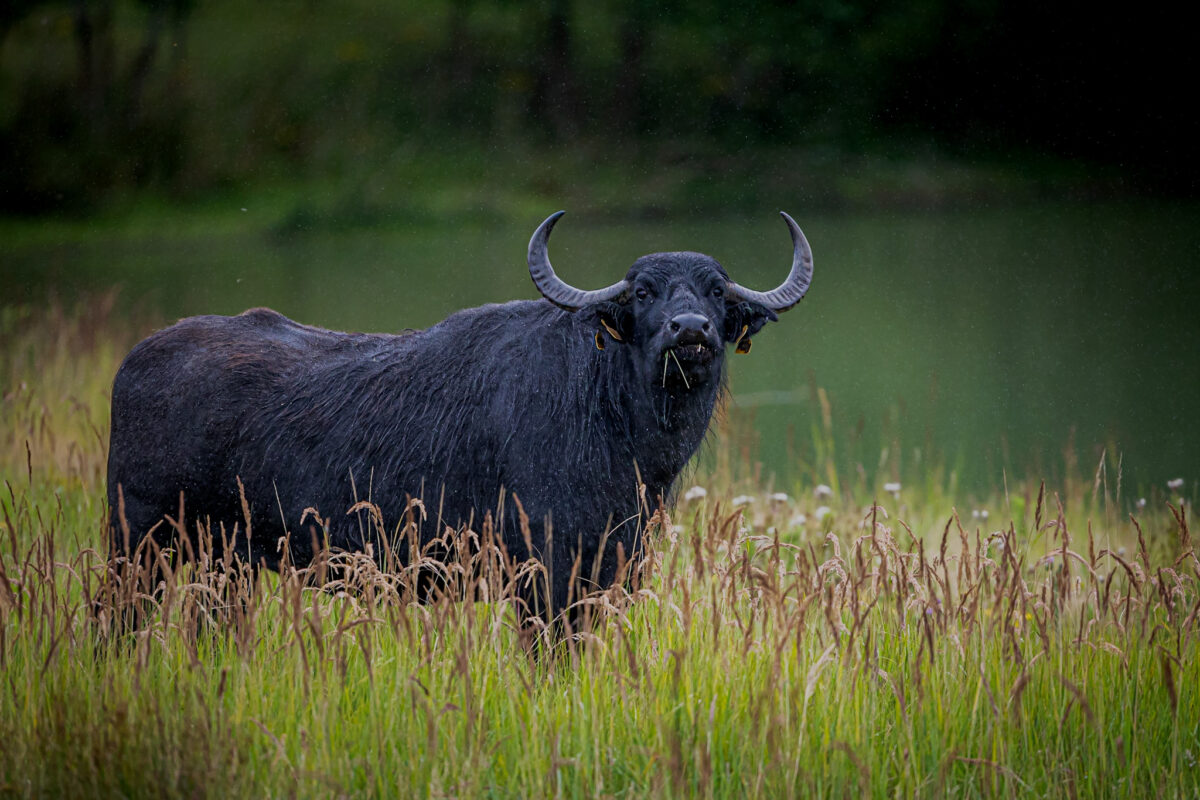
662,427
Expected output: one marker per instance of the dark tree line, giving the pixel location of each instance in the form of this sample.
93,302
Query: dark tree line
101,121
133,96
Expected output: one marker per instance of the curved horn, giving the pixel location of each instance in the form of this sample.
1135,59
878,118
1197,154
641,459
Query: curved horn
554,288
792,290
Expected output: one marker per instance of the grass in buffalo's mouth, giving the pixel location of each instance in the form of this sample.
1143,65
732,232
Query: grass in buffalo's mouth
670,356
693,350
863,639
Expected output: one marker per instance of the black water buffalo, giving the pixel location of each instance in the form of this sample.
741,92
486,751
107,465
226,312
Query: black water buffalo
569,405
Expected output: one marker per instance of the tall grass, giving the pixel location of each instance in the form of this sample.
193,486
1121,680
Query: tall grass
845,640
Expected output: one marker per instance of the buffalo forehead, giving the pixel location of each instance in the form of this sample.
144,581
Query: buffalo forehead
669,267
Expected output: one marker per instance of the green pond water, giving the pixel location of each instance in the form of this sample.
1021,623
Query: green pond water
983,341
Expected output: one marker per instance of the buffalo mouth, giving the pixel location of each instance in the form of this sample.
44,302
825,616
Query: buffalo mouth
685,366
695,353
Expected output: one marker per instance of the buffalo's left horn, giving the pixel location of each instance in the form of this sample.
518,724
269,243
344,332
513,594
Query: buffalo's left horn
792,290
554,288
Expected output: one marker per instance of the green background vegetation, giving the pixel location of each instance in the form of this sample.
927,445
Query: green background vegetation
1001,196
102,99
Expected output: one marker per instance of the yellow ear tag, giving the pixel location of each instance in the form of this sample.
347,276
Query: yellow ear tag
611,331
599,340
743,345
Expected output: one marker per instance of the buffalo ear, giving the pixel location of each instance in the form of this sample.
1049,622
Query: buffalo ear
615,320
744,319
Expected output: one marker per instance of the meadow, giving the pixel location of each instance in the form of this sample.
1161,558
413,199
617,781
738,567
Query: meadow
838,633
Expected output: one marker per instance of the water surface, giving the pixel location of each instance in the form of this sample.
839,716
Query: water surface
981,340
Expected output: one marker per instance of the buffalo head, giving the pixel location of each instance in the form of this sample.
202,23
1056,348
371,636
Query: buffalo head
680,308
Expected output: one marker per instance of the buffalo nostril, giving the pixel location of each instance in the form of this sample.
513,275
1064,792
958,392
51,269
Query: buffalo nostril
689,329
689,322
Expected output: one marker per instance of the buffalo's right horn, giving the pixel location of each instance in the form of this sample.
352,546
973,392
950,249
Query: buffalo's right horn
554,288
793,289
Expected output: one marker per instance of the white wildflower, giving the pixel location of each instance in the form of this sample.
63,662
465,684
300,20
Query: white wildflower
823,491
743,500
1175,484
1141,503
779,497
822,512
695,493
893,487
797,521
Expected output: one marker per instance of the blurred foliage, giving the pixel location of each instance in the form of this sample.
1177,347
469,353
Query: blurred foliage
100,98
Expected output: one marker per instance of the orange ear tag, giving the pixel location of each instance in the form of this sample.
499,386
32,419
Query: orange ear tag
611,331
599,340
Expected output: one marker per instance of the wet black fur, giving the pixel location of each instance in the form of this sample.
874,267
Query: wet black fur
514,396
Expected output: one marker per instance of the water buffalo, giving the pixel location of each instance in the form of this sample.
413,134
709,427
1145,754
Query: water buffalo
568,403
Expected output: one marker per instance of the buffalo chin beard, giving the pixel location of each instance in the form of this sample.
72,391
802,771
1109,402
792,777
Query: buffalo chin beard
687,366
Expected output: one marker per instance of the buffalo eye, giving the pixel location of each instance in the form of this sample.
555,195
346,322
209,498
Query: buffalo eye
719,291
642,294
